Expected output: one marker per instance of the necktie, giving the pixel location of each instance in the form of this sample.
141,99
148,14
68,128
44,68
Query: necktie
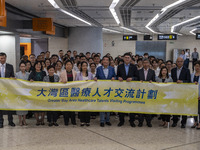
2,71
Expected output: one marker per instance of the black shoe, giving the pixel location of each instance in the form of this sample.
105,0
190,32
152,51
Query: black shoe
132,124
140,124
55,124
149,125
42,123
74,124
1,126
174,124
66,124
182,126
82,124
50,124
102,124
108,123
87,124
11,124
120,124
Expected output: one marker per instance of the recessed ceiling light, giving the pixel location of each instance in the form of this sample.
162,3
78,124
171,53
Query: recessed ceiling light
111,30
55,5
112,10
131,30
184,22
192,31
163,10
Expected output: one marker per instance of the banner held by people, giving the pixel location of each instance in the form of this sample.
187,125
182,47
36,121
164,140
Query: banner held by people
100,96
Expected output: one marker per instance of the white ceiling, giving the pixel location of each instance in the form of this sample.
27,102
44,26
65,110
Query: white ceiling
98,10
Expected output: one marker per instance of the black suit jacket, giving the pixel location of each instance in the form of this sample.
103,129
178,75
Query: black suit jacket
132,73
9,71
184,75
150,75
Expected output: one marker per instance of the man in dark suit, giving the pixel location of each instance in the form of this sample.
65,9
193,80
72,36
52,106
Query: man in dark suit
105,72
146,74
128,72
180,74
6,71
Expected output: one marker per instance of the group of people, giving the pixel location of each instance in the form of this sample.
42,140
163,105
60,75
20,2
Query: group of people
77,67
185,54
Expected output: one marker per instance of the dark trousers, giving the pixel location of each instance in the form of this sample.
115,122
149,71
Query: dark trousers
176,118
194,60
196,119
52,116
69,114
165,118
85,117
131,116
186,63
146,116
10,117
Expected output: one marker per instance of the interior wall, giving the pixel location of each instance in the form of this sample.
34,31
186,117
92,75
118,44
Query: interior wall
120,46
55,44
39,45
9,44
86,39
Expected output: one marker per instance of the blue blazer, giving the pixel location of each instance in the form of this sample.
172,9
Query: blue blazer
100,73
192,79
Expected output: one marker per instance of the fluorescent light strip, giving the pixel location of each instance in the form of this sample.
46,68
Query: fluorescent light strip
171,5
112,10
54,4
111,30
158,15
179,24
192,31
131,30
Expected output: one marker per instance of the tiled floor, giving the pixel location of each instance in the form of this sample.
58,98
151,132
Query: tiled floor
98,138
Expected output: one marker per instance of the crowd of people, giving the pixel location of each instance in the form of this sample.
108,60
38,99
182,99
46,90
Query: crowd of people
75,67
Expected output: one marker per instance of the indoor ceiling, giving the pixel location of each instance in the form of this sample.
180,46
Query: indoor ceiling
132,14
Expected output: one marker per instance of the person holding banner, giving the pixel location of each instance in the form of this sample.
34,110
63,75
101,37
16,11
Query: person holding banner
68,75
127,72
195,77
52,116
22,74
146,74
105,72
180,74
84,75
38,75
164,77
6,71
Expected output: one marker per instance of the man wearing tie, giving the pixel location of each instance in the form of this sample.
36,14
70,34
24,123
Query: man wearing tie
146,74
6,71
127,72
105,72
180,74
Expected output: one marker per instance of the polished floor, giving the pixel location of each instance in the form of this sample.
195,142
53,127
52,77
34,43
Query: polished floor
98,138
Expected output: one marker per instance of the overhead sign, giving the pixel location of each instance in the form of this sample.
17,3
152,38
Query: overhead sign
148,37
167,37
129,37
53,32
198,36
2,8
3,20
42,24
